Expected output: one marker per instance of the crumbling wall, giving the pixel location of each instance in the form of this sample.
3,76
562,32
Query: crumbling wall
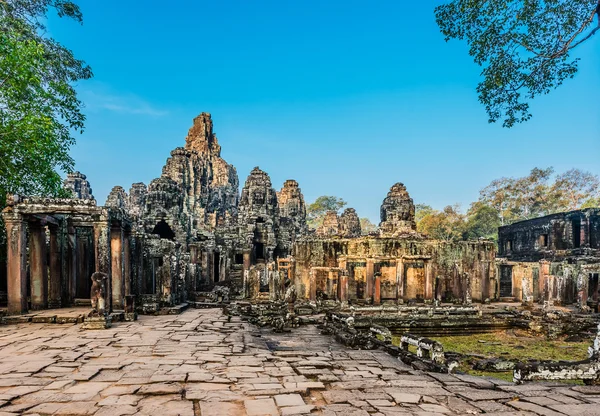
454,266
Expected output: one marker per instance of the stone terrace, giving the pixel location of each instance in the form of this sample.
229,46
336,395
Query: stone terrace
198,363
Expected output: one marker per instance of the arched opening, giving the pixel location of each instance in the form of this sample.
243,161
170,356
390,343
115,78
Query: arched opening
163,230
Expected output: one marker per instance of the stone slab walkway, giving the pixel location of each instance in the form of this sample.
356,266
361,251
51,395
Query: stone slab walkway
198,363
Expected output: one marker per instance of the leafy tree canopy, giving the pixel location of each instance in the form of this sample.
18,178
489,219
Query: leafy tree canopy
540,193
39,108
366,226
317,210
446,225
524,47
507,200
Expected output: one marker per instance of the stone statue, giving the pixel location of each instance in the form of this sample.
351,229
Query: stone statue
98,294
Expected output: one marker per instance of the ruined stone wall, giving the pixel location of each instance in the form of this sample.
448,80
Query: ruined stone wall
553,236
555,282
452,265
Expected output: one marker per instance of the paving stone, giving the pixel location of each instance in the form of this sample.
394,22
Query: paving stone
520,405
476,395
587,389
222,409
403,398
261,407
297,410
578,409
160,388
166,365
289,400
77,408
45,408
116,410
434,408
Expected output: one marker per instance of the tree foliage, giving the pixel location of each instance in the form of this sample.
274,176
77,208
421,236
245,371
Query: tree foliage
367,227
39,108
507,200
540,193
317,210
524,47
446,225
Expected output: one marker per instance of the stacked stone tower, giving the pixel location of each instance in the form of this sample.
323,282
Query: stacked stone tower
78,184
397,213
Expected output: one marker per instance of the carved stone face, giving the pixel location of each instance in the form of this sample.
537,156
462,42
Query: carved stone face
258,198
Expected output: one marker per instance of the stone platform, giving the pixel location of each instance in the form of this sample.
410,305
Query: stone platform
198,363
74,315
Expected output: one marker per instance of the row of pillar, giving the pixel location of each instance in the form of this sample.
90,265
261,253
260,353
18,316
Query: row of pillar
373,281
53,285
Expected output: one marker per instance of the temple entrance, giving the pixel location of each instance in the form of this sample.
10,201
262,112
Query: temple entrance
216,266
163,230
506,281
85,263
259,252
151,274
415,281
593,287
263,279
576,226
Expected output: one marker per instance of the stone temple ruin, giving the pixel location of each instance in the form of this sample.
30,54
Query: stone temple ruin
555,258
191,238
189,230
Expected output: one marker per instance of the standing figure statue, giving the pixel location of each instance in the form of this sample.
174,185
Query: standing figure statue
290,299
98,294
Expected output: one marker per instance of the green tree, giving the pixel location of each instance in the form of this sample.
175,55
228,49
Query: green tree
421,210
524,47
539,193
446,225
39,108
576,189
522,198
317,210
367,227
482,222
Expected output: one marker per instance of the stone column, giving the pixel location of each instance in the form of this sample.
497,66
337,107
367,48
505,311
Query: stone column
54,291
127,264
116,256
370,279
330,279
428,281
377,290
70,266
38,267
585,231
103,258
204,276
343,287
399,279
16,262
313,285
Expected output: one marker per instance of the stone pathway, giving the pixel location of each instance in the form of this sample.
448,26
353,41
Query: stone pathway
198,363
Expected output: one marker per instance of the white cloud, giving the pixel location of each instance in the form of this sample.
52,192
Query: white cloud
100,98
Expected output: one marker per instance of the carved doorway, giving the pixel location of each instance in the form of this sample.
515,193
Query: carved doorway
415,281
506,281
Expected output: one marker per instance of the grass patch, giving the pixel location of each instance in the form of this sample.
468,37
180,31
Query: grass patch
513,345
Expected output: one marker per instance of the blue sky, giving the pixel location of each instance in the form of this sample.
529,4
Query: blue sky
345,97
